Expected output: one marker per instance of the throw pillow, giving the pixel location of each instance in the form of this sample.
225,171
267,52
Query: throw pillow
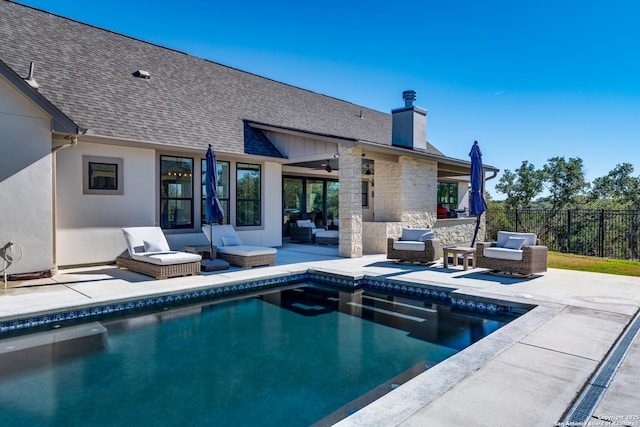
231,240
426,236
153,246
514,243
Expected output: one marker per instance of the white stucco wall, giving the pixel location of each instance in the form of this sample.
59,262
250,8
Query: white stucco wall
25,180
89,226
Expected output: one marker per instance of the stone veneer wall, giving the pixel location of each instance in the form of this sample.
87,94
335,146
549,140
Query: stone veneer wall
407,191
419,192
458,231
388,180
374,235
406,196
350,200
450,231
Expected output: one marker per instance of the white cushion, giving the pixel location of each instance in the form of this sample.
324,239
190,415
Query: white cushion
136,236
305,223
231,240
529,238
502,253
154,246
226,231
214,233
246,250
327,233
408,245
167,257
426,236
514,243
414,233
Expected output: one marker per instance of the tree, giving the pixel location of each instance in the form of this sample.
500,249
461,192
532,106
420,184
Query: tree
618,187
621,190
566,181
522,186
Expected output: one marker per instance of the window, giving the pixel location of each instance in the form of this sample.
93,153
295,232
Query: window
223,189
448,195
102,175
365,194
248,190
176,192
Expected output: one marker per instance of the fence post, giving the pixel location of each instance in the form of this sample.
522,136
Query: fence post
569,230
517,210
601,234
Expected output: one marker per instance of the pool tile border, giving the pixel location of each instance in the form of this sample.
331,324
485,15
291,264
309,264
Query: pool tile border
435,292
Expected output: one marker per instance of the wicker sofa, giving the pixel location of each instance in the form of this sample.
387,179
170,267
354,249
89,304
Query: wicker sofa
149,254
415,245
230,248
513,253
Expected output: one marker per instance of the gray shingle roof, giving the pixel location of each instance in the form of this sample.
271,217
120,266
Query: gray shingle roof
87,73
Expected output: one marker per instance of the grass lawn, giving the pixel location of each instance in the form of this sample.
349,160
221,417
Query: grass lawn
594,264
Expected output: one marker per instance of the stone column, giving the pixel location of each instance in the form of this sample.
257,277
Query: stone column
350,199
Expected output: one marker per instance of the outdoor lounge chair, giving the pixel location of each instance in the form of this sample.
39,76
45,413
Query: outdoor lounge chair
514,253
230,248
149,254
415,245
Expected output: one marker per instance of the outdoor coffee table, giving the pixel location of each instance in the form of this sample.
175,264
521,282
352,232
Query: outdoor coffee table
459,250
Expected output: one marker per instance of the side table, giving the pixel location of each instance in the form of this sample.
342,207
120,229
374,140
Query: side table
202,250
459,250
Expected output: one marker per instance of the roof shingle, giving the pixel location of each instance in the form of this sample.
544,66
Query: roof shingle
87,73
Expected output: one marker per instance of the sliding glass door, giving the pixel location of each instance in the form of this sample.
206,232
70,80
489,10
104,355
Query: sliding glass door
315,199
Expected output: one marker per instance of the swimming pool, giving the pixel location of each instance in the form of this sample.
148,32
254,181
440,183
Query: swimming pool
289,356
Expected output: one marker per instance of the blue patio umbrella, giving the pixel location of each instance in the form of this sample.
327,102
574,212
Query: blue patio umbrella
477,204
213,208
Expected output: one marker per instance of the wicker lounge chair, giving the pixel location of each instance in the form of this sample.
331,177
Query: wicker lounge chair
149,254
230,248
513,253
415,245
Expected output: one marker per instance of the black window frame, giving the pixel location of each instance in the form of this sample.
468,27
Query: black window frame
165,200
445,191
241,202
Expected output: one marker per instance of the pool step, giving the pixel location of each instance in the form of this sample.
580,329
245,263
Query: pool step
48,348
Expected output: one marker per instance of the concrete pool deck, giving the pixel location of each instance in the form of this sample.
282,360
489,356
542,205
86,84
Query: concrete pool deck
528,373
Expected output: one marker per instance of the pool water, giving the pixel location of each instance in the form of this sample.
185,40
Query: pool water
285,358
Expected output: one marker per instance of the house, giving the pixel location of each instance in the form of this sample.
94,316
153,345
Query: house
100,131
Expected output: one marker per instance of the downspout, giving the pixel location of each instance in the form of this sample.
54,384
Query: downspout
54,173
495,173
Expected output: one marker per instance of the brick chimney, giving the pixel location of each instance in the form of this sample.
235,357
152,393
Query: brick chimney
409,125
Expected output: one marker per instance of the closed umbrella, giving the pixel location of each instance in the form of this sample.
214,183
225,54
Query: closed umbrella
477,204
213,208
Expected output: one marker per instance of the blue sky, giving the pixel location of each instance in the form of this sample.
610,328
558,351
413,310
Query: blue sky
529,81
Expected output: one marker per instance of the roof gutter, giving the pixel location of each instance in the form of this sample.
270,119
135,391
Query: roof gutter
421,154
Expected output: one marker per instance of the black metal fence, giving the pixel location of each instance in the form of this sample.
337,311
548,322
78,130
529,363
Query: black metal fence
594,232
